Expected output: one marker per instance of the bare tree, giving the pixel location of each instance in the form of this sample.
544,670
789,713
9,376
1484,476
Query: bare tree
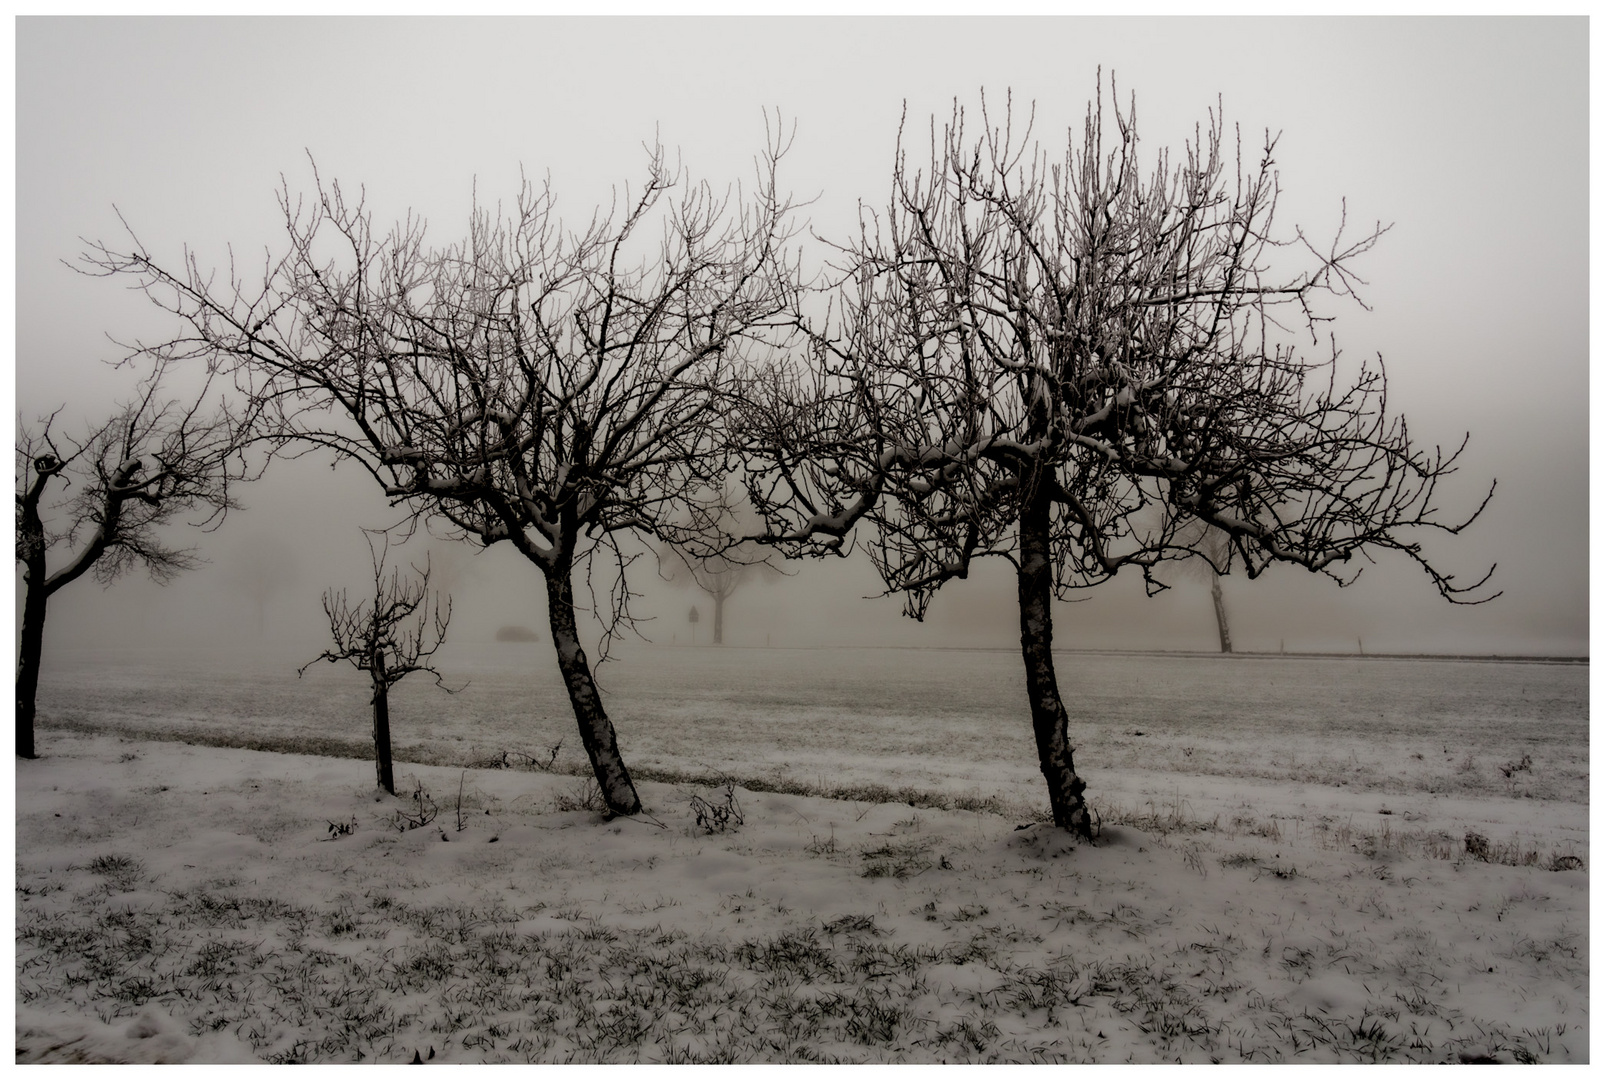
721,570
1215,546
390,636
716,575
532,385
117,483
1062,363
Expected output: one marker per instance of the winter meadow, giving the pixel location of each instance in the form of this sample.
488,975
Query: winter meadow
1020,557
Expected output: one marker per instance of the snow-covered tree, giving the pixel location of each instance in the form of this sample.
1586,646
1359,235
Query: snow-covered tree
536,384
115,484
1061,363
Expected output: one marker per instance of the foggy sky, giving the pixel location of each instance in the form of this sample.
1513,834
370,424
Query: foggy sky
1470,136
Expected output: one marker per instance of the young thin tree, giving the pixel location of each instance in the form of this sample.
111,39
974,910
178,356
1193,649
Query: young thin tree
390,636
96,501
533,385
1060,364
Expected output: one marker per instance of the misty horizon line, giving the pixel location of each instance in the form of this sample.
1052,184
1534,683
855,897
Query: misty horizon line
1239,654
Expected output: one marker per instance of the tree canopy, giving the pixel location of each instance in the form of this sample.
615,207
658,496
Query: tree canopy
1064,363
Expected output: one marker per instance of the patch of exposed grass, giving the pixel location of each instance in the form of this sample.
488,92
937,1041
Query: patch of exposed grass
366,976
897,860
331,746
122,872
1161,818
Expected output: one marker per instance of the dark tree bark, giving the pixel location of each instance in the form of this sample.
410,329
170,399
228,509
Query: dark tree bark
381,726
596,730
1049,720
389,636
31,550
151,461
32,652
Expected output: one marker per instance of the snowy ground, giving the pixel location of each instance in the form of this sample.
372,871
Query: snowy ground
930,720
1257,894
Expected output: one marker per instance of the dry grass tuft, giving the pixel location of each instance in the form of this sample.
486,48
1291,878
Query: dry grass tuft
721,814
584,796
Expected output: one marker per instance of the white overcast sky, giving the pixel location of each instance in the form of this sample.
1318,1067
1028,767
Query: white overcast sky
1470,136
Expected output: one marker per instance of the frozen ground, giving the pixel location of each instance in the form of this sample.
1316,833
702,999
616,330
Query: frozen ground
933,720
1280,876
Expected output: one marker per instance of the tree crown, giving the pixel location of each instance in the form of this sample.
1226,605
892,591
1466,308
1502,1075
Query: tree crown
1117,341
538,384
153,460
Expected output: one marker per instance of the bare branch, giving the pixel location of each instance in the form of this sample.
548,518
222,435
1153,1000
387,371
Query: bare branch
394,632
1115,336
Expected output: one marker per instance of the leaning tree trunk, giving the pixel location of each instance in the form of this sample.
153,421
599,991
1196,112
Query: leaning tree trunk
32,650
381,726
1220,612
596,730
1048,716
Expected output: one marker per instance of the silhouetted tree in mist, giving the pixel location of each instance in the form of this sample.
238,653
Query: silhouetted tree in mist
260,567
1215,550
389,636
116,483
537,384
1062,363
720,571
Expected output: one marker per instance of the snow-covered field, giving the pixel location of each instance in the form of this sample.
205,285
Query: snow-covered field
1283,874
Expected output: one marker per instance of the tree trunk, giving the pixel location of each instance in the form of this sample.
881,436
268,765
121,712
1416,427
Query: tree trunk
31,549
32,650
596,730
1048,717
718,618
381,727
1220,613
41,587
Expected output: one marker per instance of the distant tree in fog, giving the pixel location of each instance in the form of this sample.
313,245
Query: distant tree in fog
721,571
536,384
718,575
261,567
94,498
1214,547
1063,363
389,636
452,567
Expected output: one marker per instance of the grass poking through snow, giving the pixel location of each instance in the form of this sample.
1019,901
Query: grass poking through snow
519,924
